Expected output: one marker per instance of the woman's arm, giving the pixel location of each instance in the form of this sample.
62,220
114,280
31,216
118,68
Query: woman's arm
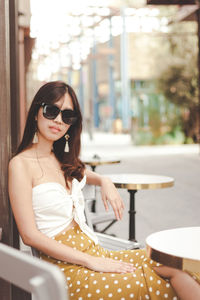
20,192
108,192
184,285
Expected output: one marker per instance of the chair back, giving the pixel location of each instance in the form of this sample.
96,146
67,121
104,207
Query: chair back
106,241
44,280
89,196
35,252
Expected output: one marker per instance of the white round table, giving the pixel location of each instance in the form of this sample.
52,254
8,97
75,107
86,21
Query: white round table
135,182
178,248
96,160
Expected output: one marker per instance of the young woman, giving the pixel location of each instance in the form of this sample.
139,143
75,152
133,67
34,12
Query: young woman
46,177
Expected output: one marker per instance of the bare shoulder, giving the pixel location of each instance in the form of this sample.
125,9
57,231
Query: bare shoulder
19,175
16,162
18,165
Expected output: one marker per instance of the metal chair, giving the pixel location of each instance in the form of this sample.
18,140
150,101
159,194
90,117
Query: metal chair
43,280
107,241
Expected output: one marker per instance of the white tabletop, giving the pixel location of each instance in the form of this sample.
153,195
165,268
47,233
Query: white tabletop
141,181
179,243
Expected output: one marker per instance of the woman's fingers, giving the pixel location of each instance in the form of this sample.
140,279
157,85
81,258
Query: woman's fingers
118,208
127,269
105,202
110,194
110,265
122,267
114,207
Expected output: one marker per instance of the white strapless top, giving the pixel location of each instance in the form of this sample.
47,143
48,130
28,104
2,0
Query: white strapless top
55,208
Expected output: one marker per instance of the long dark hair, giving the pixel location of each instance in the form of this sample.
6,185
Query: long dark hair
50,93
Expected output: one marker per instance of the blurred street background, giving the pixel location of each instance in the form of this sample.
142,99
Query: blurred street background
134,64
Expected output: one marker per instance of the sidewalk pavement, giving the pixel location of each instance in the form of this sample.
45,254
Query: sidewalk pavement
109,145
159,209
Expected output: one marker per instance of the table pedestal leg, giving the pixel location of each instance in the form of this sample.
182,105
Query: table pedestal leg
132,213
93,208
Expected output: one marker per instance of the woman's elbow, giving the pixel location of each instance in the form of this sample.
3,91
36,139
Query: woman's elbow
28,239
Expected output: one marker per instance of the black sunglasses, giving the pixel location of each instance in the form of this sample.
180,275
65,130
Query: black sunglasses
51,111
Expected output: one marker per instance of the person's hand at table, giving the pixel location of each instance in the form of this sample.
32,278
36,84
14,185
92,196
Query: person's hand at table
111,195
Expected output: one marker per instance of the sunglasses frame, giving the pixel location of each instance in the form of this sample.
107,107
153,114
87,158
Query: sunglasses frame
68,121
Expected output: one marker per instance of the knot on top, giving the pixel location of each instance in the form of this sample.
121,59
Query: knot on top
77,187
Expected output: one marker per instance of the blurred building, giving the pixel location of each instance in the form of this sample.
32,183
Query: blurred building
112,56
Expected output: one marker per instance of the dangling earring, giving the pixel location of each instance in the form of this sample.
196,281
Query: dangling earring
35,138
66,144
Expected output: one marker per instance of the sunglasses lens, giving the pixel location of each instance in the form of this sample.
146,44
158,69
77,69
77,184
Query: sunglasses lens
69,116
50,111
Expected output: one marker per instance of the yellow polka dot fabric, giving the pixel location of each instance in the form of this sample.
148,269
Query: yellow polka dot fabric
83,283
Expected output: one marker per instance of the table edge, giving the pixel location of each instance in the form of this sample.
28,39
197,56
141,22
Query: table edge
100,162
143,186
173,261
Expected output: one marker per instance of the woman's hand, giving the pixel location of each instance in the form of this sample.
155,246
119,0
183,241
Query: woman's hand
110,194
100,264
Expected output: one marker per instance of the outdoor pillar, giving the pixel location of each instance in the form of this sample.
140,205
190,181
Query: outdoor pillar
69,76
95,86
81,90
111,78
69,72
125,84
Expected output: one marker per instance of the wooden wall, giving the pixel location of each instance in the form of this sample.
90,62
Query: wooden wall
9,128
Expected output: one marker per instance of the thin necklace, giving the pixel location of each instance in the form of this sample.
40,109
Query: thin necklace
39,163
42,171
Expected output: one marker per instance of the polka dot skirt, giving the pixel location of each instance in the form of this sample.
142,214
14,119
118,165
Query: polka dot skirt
83,283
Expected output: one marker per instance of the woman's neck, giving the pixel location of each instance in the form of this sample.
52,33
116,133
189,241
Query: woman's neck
43,149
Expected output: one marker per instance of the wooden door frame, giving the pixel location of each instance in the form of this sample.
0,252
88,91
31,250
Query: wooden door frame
9,128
